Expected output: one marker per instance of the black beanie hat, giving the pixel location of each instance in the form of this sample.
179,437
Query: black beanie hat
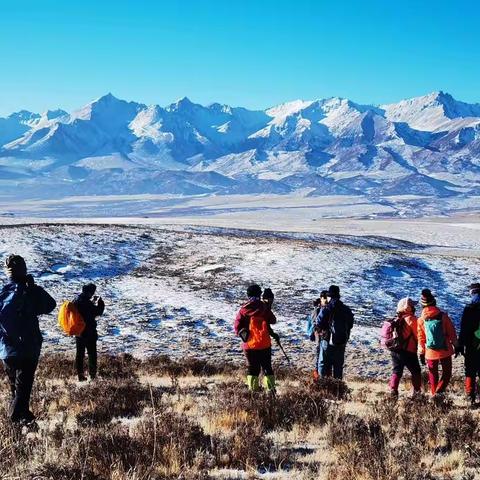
15,268
427,299
254,291
89,289
475,288
333,291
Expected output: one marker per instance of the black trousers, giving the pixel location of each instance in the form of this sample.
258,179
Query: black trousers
89,345
472,363
258,360
21,374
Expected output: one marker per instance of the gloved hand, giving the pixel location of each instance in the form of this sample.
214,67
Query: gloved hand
422,359
29,281
459,350
275,336
268,297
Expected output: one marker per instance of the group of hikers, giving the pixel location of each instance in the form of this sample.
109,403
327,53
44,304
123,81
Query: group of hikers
430,339
21,302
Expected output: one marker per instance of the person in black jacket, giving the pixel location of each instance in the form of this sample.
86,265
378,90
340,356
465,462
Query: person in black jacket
21,302
89,308
469,341
333,324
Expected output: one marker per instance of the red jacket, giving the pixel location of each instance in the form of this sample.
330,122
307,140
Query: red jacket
256,317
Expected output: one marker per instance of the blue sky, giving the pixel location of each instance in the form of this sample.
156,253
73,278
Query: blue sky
254,53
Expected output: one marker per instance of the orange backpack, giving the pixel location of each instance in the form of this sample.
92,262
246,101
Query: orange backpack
70,320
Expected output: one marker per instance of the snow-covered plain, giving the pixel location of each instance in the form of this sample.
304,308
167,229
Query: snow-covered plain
175,289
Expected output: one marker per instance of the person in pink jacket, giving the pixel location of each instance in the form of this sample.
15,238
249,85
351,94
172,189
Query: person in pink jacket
407,355
436,342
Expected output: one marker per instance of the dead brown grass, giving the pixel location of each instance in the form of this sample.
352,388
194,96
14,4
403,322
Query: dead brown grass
200,419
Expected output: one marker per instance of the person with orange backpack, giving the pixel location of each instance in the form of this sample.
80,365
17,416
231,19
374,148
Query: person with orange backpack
89,307
399,336
21,302
253,325
437,340
469,342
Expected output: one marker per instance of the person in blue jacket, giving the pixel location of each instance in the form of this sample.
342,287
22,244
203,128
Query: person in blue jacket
333,324
21,302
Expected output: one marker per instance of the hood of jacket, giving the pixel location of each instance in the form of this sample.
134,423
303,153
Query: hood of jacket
254,307
430,311
475,299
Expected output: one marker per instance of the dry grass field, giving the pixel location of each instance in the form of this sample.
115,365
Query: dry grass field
160,419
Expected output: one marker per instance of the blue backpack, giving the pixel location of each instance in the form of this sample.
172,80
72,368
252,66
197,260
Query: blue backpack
11,313
435,336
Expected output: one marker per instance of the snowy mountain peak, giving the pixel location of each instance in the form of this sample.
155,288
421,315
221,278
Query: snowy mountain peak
183,103
427,144
24,116
53,114
430,112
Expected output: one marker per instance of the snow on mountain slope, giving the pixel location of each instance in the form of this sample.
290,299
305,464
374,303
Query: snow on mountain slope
431,112
428,144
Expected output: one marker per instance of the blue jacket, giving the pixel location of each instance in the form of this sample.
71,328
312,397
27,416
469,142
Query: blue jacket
334,322
469,324
20,306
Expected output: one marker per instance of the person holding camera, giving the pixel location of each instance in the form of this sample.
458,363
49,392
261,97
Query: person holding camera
334,324
253,325
90,307
318,304
21,302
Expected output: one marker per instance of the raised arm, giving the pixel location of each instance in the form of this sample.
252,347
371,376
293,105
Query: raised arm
44,303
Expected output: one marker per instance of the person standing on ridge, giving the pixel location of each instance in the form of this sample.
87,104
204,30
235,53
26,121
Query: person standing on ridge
89,307
469,342
406,354
253,325
334,324
21,302
436,342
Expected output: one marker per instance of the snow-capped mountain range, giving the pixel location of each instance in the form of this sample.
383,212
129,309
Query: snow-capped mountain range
427,145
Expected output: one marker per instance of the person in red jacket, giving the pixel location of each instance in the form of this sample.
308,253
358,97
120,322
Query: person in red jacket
436,342
252,325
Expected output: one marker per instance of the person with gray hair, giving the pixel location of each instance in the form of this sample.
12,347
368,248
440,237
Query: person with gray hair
21,302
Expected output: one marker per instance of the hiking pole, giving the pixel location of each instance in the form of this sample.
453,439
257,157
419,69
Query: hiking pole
281,348
276,337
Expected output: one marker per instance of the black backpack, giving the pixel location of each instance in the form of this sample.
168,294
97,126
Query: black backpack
339,324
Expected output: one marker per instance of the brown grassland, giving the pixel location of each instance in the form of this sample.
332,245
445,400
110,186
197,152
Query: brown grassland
158,419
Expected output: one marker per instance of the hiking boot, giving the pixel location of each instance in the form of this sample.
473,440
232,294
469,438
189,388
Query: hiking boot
269,383
315,375
416,395
393,395
82,378
253,383
438,399
471,401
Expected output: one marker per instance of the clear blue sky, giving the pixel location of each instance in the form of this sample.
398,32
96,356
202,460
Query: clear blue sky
254,53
